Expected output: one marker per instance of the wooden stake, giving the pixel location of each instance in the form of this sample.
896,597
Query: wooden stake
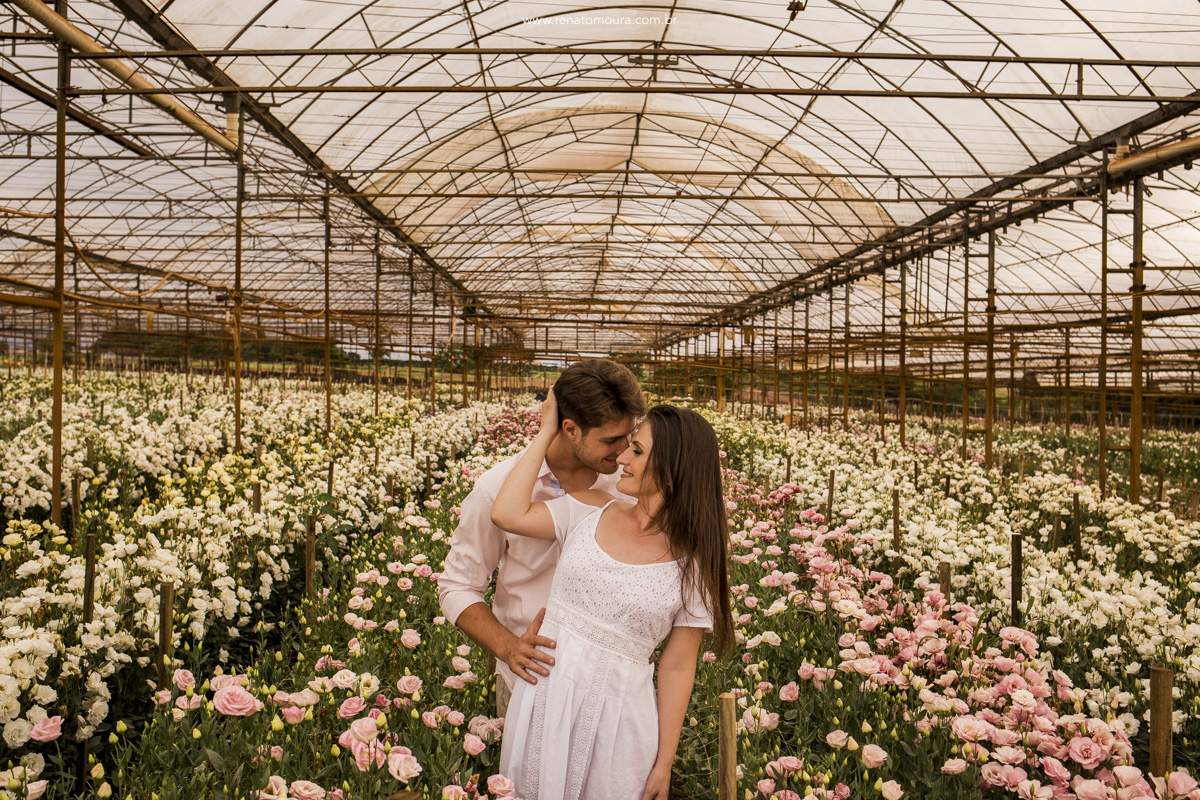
944,574
1076,527
1161,679
89,578
75,503
896,520
727,749
788,479
1017,619
310,556
829,498
329,479
166,613
257,497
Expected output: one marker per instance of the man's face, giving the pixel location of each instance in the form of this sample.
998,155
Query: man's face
599,447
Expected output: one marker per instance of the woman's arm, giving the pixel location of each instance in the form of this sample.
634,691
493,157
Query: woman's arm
676,674
513,510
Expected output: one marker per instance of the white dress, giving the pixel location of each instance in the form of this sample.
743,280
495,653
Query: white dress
590,730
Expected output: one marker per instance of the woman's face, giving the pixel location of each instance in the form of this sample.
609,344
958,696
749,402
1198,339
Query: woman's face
634,461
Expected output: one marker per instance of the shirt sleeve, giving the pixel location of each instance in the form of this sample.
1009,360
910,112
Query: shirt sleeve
475,551
692,612
567,512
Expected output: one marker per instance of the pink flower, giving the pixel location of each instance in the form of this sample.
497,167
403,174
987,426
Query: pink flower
1089,788
306,790
500,786
972,729
276,789
789,692
954,766
1181,783
402,764
1032,790
293,714
367,754
351,707
1055,771
47,730
277,752
766,787
162,697
837,739
35,789
473,744
234,701
891,790
873,756
455,718
1085,752
409,684
189,703
454,792
410,638
221,681
183,679
364,729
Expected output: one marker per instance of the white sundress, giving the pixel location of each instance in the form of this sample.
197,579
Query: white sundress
590,730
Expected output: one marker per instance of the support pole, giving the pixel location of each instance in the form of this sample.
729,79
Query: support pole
412,290
60,263
846,358
903,355
1135,359
804,373
328,338
990,391
378,332
233,105
966,340
1102,380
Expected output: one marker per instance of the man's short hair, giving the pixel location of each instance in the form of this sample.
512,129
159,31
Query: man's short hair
596,391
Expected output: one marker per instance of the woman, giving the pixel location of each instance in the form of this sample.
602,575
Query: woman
629,576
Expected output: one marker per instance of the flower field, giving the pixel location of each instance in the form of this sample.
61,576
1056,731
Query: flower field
857,674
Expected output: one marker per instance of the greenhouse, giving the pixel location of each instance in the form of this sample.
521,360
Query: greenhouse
285,287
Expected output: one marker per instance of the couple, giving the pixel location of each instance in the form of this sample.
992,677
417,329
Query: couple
610,536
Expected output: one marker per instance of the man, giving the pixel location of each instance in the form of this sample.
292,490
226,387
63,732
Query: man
599,402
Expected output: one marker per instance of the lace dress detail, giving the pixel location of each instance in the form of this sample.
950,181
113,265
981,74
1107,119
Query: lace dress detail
590,730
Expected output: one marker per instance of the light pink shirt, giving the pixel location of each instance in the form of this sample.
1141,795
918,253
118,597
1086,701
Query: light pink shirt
526,565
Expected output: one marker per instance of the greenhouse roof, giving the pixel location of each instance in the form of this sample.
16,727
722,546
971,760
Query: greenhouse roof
620,177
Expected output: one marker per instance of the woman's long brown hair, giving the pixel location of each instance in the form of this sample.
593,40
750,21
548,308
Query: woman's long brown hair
685,463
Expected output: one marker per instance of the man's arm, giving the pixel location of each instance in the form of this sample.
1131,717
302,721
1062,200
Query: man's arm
475,552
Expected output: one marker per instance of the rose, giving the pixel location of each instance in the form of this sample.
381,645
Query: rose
789,692
409,684
402,765
766,787
351,707
1127,776
293,714
500,786
234,701
183,679
306,790
35,789
837,739
454,792
221,681
455,719
410,638
473,744
276,789
1085,752
891,790
954,766
344,679
1089,788
47,730
1055,771
364,729
873,756
1181,783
